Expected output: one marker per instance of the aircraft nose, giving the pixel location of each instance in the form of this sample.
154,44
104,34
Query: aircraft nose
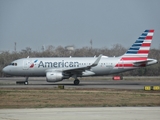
5,70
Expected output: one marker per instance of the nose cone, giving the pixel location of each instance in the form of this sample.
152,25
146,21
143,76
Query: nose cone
5,70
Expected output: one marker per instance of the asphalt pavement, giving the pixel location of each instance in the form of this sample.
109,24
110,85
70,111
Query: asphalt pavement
10,82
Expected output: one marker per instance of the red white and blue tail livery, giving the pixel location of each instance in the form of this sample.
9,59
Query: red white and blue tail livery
137,54
141,47
59,68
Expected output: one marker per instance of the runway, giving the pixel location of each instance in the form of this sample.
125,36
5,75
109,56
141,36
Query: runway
10,82
99,113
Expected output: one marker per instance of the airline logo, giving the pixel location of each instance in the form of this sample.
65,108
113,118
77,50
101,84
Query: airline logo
60,64
32,65
138,51
142,45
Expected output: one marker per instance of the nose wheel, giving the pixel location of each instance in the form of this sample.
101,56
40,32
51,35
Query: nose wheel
23,82
26,82
76,82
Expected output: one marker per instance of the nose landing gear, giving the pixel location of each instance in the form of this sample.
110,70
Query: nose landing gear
23,82
26,81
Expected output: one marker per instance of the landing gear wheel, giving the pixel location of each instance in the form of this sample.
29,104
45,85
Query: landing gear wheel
26,82
76,82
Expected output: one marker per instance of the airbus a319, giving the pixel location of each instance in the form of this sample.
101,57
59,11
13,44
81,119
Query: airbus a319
60,68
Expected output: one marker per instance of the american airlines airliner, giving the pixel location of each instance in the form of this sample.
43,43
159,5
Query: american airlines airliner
60,68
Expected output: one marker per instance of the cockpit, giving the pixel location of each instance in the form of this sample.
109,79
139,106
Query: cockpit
13,64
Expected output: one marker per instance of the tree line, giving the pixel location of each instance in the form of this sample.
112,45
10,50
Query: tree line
7,57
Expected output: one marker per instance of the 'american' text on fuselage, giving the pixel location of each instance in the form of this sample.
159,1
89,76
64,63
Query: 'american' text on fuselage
58,64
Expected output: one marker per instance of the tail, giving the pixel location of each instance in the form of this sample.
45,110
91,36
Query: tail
140,49
137,54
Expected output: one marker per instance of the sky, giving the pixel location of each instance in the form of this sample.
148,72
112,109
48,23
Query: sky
37,23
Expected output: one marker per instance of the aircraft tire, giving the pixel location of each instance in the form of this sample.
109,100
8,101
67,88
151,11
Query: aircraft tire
76,82
26,82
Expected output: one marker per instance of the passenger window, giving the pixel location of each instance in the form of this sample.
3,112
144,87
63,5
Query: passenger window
15,64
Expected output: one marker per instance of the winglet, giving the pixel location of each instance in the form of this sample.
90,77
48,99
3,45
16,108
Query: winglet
97,61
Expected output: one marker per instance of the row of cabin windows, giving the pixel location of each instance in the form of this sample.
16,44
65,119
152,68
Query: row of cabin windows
99,63
15,64
84,63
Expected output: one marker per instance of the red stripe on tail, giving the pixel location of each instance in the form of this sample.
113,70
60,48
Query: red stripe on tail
143,51
148,37
146,44
151,30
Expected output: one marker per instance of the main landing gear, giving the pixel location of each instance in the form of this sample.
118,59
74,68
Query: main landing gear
76,82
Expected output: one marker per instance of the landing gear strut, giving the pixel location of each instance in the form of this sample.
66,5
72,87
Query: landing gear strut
76,82
26,81
23,82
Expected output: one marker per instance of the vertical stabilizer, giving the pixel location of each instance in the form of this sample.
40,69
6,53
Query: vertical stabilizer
140,49
137,54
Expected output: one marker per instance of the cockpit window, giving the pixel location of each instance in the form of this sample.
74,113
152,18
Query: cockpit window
13,64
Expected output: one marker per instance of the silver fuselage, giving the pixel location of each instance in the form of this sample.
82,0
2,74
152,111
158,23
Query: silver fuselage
28,66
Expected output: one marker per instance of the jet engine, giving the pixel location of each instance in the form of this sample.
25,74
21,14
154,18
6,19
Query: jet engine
54,76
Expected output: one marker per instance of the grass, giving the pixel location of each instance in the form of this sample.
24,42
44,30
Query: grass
41,98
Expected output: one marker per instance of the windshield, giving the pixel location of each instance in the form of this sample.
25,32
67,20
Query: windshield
13,64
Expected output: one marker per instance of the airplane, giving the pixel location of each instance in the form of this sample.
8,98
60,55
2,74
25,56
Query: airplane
56,69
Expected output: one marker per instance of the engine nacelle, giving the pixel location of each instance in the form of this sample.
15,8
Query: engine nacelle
54,76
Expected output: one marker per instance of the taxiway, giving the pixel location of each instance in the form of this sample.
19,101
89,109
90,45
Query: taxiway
41,83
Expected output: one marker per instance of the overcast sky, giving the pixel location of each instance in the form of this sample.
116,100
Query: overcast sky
33,23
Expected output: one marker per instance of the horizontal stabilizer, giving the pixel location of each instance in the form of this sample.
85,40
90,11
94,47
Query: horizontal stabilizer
144,63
